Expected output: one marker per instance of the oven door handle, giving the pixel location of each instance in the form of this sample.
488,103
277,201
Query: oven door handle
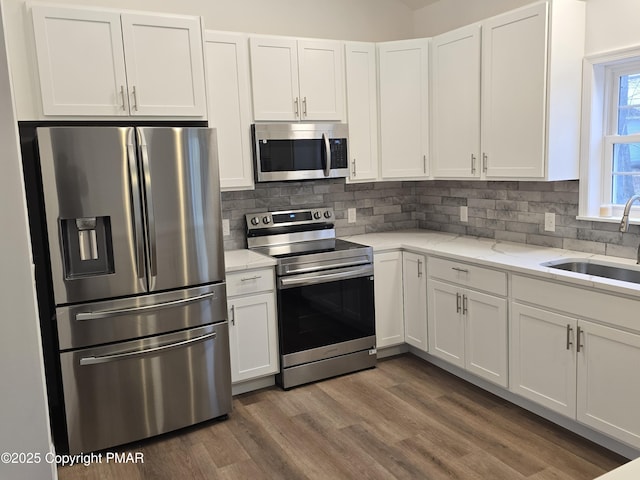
332,276
294,270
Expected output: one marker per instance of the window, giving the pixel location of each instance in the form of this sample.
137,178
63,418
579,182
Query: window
610,168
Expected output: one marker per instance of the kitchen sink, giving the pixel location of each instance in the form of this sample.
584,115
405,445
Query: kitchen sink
596,269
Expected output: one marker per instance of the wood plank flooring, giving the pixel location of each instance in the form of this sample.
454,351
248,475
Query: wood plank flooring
405,419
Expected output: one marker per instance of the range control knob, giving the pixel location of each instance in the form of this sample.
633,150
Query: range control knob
266,220
327,214
255,221
316,215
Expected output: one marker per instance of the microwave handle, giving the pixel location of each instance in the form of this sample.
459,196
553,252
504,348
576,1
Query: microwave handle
327,150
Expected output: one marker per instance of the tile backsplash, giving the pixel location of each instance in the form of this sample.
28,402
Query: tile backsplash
508,211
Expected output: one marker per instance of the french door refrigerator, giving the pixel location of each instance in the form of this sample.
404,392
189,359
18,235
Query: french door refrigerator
134,235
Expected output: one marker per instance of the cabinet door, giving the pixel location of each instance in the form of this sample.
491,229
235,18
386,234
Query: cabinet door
446,325
229,106
486,336
415,299
542,355
362,111
608,389
165,69
321,75
514,78
455,103
404,108
80,60
387,269
274,78
252,336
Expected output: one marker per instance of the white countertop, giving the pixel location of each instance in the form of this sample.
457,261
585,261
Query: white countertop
515,257
628,471
239,260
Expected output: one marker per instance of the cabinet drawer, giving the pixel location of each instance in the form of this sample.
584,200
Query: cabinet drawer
480,278
250,281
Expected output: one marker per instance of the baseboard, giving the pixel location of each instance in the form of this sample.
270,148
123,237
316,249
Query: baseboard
251,385
392,351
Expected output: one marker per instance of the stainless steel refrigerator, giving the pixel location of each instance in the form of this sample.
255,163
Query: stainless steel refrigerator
133,224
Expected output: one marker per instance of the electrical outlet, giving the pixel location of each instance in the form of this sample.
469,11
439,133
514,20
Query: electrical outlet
351,215
464,213
549,222
226,228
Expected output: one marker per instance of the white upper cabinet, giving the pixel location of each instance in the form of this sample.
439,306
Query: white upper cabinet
531,91
455,103
362,111
105,63
297,79
229,106
404,131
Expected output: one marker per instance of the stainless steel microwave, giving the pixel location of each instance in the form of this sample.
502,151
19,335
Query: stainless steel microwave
300,151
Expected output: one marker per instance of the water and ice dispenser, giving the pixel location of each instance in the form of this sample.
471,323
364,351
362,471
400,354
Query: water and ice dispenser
87,246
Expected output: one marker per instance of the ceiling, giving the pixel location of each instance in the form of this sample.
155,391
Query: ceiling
416,4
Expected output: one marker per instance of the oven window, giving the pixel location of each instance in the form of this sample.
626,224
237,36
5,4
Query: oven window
323,314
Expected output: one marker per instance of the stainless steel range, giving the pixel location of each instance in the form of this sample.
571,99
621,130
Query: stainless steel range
326,318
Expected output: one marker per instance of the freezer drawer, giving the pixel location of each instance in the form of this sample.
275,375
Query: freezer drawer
127,318
132,390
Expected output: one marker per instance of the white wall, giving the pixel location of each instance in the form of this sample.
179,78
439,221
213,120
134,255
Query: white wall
23,406
363,20
612,25
448,15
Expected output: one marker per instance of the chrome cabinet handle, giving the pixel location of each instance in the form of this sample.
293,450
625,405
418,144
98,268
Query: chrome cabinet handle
569,342
485,157
424,161
82,316
304,106
457,302
135,98
233,315
124,106
473,163
295,103
465,308
580,345
419,268
353,166
458,269
137,353
247,279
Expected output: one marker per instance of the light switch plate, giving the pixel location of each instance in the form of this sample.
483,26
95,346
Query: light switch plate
464,213
549,222
226,229
351,215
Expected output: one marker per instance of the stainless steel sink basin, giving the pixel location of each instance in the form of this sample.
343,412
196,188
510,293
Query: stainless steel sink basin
597,269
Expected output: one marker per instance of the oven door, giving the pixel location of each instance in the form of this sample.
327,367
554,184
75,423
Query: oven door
325,314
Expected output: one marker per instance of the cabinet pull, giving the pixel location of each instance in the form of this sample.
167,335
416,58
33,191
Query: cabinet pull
458,269
246,279
464,305
353,166
457,302
485,157
579,345
233,315
124,105
473,163
304,106
135,98
295,103
424,161
569,342
419,268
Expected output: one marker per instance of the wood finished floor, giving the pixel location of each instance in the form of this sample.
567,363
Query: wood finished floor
404,419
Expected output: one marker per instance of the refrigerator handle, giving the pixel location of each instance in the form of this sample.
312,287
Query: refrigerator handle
151,223
136,213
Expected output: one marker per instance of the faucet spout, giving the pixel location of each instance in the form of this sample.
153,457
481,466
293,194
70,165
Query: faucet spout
624,222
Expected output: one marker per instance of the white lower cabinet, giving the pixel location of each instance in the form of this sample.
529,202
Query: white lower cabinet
468,328
414,281
252,325
388,291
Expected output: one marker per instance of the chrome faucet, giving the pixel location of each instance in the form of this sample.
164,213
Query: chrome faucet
624,223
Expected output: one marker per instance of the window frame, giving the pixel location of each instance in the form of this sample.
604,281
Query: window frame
601,75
